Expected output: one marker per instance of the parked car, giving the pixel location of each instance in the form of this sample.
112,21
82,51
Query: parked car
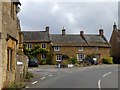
92,61
33,62
85,62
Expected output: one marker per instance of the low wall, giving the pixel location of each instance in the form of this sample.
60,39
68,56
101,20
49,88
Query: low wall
22,67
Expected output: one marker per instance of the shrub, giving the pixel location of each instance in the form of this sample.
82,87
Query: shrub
49,58
65,63
73,60
53,62
107,60
77,65
28,76
48,61
43,62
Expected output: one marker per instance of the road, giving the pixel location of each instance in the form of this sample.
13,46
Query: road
100,76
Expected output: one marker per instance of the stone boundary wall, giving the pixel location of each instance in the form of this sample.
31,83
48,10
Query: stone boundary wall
21,68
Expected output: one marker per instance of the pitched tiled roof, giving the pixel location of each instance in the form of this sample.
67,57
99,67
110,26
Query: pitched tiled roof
36,36
97,40
67,40
78,40
118,32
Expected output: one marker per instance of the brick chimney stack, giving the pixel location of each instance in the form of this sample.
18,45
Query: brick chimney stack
81,33
101,32
63,31
114,26
47,29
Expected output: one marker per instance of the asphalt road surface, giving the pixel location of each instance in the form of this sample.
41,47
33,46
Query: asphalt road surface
100,76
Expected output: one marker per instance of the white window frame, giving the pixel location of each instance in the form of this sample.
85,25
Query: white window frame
80,48
56,48
81,57
43,56
43,45
29,45
59,57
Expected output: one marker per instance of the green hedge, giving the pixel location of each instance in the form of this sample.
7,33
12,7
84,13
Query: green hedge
107,60
73,60
43,62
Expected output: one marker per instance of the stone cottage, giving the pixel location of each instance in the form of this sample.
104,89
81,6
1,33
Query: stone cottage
115,44
38,38
9,41
72,45
80,45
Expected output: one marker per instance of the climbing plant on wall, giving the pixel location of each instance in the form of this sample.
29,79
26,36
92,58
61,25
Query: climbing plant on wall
32,52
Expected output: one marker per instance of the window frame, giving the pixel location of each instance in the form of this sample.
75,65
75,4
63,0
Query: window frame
29,45
43,56
56,48
9,59
80,49
80,58
13,10
43,46
59,57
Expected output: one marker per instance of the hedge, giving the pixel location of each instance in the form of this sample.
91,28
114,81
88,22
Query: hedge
107,60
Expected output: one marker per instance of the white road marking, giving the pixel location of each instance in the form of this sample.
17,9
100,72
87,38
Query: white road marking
43,78
35,82
99,84
106,74
50,75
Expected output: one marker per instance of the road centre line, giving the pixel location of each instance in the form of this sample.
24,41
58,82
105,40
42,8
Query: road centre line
35,82
43,78
106,74
99,84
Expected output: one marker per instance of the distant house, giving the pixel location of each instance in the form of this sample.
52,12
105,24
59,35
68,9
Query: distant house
72,45
115,44
9,41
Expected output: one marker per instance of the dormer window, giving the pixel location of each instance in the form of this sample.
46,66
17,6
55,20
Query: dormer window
80,48
43,45
56,48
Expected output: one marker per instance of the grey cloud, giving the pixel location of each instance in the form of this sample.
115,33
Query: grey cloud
87,16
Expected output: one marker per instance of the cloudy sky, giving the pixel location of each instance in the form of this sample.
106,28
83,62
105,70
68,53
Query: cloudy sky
74,15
